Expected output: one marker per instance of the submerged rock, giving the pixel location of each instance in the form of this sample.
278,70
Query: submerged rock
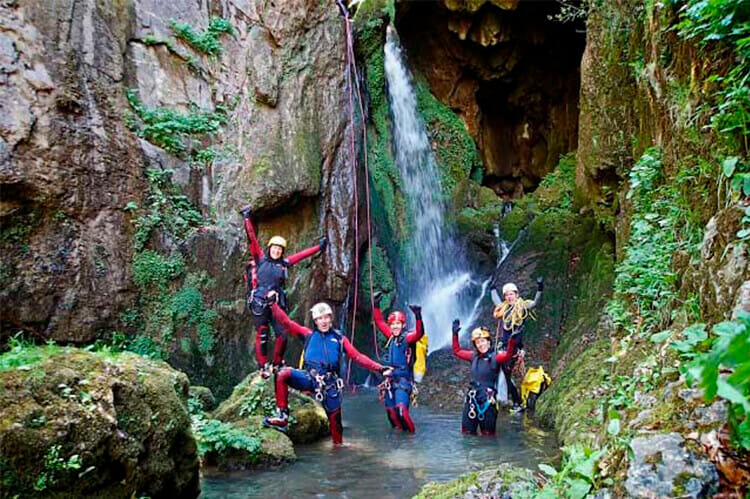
663,467
499,481
78,423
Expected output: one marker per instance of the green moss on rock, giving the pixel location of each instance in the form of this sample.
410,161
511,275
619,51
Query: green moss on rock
82,423
255,397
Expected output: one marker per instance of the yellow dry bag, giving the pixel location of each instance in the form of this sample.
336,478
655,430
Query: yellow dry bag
420,364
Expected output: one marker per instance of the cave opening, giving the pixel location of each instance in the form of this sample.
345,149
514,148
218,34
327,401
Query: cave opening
511,70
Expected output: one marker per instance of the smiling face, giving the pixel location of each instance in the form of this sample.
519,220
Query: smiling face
324,323
482,345
396,327
511,297
275,251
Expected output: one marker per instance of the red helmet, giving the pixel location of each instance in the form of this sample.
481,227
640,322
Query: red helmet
397,315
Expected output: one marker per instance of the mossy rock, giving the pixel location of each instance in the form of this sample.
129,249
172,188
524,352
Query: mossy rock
255,397
503,480
205,396
76,423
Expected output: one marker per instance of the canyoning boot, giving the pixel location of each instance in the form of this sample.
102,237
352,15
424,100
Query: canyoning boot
278,422
267,370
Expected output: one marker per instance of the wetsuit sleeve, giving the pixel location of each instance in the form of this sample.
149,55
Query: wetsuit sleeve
535,301
377,316
503,357
252,240
305,253
417,334
462,354
496,300
288,324
359,358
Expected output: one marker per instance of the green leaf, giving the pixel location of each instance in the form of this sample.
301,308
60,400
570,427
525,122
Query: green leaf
614,427
728,165
732,394
577,488
547,469
659,337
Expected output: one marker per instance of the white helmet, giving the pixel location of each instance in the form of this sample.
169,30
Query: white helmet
320,309
510,287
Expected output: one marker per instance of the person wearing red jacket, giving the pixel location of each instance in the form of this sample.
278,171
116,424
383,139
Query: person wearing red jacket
396,389
265,275
323,353
480,409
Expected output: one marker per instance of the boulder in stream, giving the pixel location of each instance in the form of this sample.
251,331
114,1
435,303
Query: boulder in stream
254,398
76,423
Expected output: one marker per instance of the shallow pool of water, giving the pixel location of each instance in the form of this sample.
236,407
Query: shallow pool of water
376,461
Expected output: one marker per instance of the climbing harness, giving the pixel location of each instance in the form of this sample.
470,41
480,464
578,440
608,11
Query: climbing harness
383,388
324,383
476,410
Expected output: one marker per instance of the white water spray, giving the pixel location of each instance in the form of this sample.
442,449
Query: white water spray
435,273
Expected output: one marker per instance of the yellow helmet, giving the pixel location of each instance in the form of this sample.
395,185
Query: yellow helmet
480,332
278,241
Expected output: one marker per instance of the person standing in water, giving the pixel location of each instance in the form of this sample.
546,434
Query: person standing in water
480,409
323,357
511,313
266,274
401,353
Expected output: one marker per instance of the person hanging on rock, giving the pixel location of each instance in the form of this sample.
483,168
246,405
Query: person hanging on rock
511,313
323,357
266,273
480,409
396,390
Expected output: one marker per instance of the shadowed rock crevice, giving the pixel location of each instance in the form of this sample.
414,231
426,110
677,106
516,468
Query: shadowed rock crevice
511,73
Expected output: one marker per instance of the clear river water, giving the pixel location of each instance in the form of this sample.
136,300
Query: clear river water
376,461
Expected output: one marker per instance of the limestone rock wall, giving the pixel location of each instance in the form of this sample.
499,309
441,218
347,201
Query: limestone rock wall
69,163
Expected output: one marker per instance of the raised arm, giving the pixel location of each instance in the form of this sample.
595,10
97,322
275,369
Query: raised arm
306,253
459,352
416,335
377,316
505,356
296,329
496,300
252,239
359,358
538,295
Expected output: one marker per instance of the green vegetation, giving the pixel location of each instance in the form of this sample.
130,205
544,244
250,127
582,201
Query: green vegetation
382,278
216,437
645,284
720,365
169,129
456,154
576,476
722,28
163,305
54,465
206,42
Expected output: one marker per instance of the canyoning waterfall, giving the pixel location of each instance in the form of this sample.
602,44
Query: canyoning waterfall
435,273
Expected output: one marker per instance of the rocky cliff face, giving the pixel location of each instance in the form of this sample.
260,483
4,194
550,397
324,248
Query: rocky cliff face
94,95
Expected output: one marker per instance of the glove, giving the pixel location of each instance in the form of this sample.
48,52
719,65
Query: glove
540,283
273,296
456,326
246,211
417,311
323,243
377,298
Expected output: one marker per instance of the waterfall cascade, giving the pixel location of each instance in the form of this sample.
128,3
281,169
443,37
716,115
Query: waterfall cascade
435,273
